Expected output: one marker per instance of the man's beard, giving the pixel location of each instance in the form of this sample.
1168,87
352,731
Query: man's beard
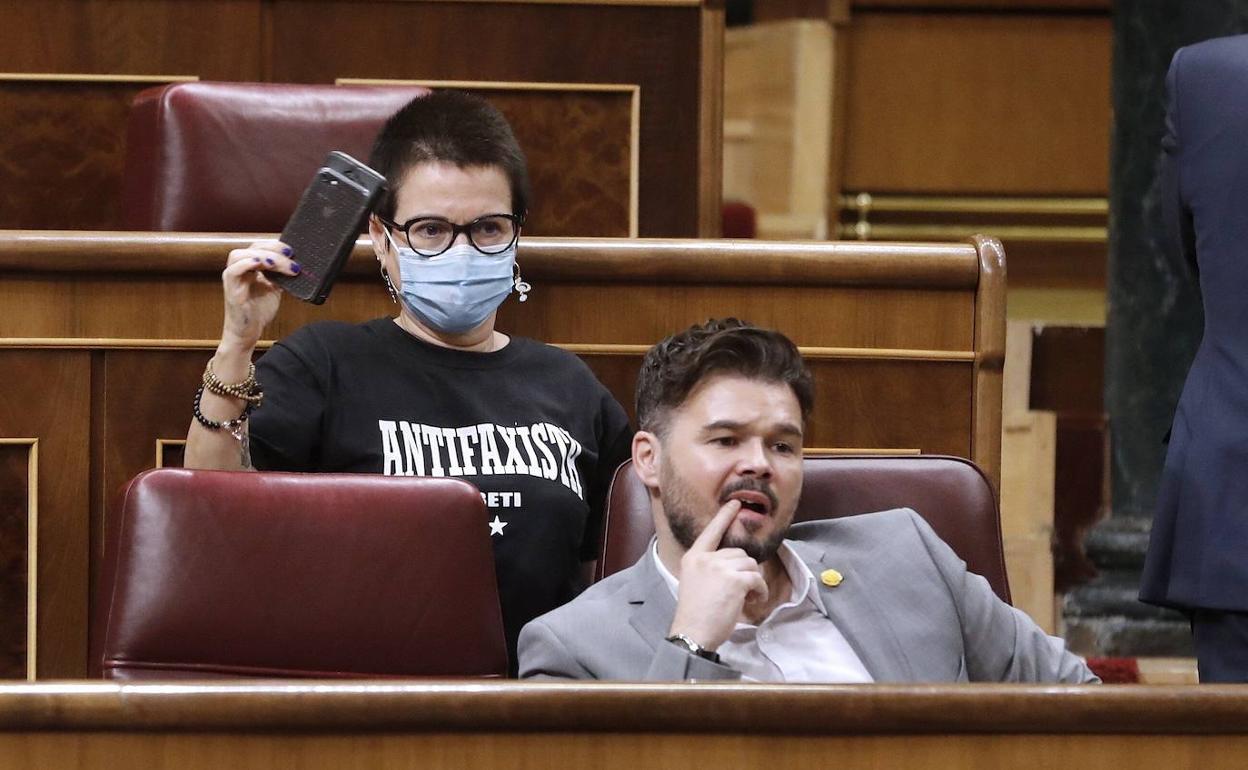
679,504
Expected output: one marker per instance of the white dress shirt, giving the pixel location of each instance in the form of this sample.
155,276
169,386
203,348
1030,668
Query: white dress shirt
797,642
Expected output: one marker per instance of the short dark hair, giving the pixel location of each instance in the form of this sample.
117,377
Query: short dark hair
451,127
674,367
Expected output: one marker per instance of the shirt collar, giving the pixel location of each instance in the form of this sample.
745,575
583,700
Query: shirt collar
800,576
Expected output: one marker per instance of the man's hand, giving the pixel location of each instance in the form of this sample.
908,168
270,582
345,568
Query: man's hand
715,584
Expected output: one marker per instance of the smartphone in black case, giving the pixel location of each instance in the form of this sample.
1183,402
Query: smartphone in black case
326,224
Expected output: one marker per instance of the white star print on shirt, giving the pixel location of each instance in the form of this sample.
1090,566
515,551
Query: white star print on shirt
496,526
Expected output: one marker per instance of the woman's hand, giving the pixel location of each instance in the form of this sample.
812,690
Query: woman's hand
251,299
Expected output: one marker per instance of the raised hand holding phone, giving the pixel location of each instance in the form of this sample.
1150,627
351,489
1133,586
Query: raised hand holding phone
326,223
251,298
715,584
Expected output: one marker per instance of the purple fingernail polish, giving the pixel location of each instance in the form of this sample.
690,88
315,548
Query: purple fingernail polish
296,268
286,250
269,261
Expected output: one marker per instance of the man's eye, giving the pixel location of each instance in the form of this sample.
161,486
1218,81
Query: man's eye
725,440
784,448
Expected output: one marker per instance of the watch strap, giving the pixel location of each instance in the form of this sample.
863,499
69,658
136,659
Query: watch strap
693,648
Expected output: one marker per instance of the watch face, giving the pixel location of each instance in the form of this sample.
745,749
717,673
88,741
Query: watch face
693,647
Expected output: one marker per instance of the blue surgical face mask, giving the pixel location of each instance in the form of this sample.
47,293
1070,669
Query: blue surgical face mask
457,290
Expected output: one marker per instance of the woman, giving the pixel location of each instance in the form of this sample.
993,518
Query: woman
436,390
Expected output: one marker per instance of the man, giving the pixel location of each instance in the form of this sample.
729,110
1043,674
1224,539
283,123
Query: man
1196,559
729,590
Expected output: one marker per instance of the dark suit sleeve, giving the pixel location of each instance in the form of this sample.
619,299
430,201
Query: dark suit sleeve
1180,235
1001,643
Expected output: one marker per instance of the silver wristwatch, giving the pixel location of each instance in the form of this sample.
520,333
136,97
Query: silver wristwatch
693,648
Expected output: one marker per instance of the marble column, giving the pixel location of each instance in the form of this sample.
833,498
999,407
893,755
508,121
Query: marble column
1153,327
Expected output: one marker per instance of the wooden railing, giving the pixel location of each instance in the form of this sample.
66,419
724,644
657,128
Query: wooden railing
519,724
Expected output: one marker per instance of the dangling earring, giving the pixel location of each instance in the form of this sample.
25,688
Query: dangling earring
522,287
394,295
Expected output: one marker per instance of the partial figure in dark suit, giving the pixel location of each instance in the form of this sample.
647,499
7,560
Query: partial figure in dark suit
1198,556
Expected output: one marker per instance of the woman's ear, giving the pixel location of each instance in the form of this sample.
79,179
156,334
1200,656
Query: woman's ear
647,458
377,233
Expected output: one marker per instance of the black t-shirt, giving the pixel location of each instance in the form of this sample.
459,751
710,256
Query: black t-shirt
529,425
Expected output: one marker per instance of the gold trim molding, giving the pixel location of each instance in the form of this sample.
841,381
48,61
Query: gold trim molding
85,77
808,352
579,348
114,343
32,550
161,443
634,140
948,204
841,450
1036,219
865,231
669,3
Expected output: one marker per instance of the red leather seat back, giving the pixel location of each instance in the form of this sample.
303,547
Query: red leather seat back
235,157
952,494
303,575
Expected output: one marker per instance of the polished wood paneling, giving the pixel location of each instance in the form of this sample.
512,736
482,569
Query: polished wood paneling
620,725
246,750
708,709
858,402
62,142
557,313
711,119
894,404
925,266
989,358
46,394
920,296
214,39
61,153
15,521
656,48
580,151
978,103
669,49
985,5
811,315
580,143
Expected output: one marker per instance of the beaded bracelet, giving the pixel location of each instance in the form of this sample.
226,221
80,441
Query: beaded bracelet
235,426
248,390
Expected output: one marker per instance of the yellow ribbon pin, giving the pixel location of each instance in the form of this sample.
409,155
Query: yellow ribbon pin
831,578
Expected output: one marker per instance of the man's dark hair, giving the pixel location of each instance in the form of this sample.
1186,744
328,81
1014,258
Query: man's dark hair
449,127
674,367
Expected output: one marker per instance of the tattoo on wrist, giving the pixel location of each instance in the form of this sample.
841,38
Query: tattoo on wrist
244,450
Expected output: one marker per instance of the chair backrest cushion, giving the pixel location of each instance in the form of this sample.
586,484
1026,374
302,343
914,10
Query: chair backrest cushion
952,494
235,157
283,574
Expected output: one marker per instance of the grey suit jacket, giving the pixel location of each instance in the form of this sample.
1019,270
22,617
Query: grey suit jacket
907,606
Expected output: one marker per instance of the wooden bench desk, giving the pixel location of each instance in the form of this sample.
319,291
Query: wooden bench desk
591,725
104,336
